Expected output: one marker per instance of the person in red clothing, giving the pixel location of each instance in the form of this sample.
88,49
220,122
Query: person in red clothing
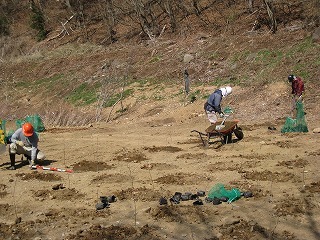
297,89
297,86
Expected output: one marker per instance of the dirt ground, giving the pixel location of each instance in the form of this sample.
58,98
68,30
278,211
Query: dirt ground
141,159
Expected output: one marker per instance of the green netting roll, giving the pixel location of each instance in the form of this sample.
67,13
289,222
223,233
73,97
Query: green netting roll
219,191
19,123
228,110
301,120
35,120
296,125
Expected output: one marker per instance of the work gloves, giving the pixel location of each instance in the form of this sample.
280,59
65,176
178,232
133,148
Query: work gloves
20,143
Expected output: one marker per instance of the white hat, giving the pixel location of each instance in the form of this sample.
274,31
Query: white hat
226,91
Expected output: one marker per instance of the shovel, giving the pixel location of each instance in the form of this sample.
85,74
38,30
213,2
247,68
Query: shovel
221,125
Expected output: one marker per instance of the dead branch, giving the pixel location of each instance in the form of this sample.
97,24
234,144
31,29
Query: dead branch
162,31
64,30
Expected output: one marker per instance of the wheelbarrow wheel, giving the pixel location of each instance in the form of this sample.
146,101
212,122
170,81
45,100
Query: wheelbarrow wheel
238,132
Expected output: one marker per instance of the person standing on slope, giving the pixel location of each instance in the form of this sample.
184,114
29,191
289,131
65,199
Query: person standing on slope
213,104
297,86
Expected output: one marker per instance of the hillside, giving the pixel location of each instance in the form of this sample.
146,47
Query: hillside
58,74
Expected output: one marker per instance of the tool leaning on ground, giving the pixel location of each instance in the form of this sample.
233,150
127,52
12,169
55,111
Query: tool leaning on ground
52,169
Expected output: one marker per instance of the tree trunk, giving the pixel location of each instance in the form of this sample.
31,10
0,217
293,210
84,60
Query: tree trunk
67,2
250,5
271,11
171,13
81,18
111,20
196,7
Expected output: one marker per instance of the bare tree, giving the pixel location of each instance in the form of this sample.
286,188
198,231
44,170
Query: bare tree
196,7
271,14
146,17
67,2
109,16
76,7
169,8
250,5
146,13
81,18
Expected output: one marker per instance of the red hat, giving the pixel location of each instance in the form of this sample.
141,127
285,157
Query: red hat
27,129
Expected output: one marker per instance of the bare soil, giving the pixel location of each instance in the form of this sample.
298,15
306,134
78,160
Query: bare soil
140,162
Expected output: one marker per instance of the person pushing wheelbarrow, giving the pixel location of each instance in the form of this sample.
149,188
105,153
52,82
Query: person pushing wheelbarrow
213,104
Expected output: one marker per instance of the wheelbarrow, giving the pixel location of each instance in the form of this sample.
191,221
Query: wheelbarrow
222,130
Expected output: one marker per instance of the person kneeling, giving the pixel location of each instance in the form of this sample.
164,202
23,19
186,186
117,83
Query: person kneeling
25,141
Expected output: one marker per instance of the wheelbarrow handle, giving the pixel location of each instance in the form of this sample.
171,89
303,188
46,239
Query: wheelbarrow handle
201,133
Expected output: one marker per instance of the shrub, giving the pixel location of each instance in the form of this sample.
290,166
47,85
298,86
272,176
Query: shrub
38,22
4,26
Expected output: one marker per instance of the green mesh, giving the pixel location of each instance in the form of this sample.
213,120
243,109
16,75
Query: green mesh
296,125
35,120
228,110
219,191
19,123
